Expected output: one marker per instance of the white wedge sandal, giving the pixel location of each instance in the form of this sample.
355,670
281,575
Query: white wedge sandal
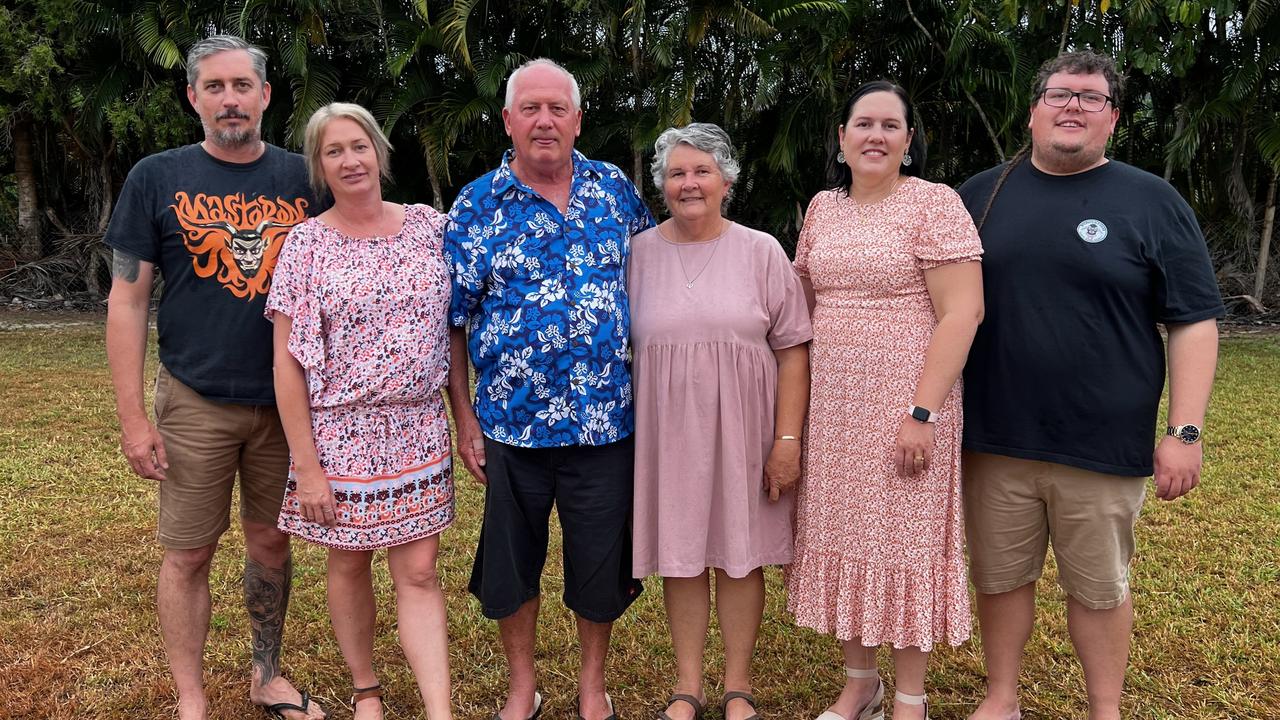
874,709
906,699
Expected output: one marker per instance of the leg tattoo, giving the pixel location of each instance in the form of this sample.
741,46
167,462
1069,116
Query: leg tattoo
266,597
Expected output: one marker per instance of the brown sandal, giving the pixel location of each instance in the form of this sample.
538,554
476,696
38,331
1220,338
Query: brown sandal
681,697
358,694
737,695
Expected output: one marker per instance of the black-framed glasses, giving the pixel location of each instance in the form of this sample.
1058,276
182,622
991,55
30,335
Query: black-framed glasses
1090,101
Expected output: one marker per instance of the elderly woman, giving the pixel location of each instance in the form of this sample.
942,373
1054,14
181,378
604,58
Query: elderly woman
361,355
721,367
890,267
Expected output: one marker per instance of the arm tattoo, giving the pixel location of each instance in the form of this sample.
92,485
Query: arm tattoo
266,597
124,266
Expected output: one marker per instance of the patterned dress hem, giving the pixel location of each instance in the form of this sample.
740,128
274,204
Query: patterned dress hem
879,605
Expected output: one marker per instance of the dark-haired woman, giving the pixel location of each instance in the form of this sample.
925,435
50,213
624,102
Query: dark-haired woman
890,267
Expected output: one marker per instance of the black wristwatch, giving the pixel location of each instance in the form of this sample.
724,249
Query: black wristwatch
1188,434
920,414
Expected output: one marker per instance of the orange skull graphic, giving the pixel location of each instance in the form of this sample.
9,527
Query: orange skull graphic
234,239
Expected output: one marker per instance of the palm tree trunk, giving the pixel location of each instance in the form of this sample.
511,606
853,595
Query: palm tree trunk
1264,243
28,246
1181,112
437,193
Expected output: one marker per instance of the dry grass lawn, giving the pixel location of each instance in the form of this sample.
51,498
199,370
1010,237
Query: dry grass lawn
78,636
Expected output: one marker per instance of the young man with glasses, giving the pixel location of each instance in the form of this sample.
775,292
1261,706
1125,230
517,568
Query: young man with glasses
1084,258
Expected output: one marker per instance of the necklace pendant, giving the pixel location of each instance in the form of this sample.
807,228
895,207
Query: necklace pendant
689,284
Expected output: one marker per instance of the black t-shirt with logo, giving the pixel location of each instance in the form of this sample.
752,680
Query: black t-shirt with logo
214,230
1078,271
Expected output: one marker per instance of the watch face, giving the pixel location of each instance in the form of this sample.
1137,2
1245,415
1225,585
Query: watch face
1188,434
920,414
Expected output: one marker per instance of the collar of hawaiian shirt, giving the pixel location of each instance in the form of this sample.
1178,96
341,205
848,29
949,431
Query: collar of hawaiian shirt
504,179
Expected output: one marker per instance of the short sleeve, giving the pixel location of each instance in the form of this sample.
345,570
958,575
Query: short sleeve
432,222
947,234
293,293
789,323
1186,289
805,242
467,256
641,218
133,228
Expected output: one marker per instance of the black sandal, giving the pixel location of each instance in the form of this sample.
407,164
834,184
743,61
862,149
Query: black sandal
277,710
737,695
681,697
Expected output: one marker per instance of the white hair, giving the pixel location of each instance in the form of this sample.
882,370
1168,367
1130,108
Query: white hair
707,137
574,94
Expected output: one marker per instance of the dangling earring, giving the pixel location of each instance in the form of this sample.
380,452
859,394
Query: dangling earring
906,161
840,157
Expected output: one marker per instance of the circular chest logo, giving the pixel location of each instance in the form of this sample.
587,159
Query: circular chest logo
1092,231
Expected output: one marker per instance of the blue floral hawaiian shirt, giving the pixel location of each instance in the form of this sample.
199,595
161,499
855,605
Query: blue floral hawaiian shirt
544,299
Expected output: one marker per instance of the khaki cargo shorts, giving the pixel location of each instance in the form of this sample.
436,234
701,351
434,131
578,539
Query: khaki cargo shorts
1014,508
208,444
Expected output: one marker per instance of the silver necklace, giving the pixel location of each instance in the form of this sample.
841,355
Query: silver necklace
689,281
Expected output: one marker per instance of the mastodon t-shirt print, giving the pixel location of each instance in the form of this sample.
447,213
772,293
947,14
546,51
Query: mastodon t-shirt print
236,240
214,229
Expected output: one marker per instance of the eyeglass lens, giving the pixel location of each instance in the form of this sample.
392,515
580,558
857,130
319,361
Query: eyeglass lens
1060,97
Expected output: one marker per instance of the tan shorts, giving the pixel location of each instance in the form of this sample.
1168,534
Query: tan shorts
207,444
1014,507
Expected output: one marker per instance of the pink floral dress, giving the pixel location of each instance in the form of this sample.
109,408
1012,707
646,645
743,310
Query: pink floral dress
369,330
878,557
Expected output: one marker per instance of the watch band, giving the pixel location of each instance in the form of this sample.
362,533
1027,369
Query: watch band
1188,434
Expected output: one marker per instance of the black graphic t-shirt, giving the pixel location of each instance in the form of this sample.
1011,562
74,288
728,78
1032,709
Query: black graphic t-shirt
214,230
1078,271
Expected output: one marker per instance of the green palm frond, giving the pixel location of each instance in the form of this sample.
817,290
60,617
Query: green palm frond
1266,136
150,35
312,90
453,29
1259,13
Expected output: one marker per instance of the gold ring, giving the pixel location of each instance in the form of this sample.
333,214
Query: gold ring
919,458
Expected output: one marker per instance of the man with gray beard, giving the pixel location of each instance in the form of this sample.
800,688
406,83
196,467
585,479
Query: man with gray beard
211,218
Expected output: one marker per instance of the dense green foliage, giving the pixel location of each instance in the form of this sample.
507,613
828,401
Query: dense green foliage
92,86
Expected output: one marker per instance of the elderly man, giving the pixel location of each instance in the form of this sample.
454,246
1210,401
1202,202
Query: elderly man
211,218
1085,258
539,249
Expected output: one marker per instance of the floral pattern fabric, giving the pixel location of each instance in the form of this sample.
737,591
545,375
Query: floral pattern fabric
369,329
878,557
543,297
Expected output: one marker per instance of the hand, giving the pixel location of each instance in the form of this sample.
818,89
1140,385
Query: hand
1177,467
782,468
913,449
143,447
471,446
315,498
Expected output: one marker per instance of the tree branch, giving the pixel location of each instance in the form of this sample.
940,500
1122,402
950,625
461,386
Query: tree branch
991,133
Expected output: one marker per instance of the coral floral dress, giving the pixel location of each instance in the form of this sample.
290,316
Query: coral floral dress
878,557
369,330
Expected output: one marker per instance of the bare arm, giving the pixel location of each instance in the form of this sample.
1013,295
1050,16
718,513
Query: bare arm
955,289
810,299
782,468
128,310
1193,359
470,437
315,494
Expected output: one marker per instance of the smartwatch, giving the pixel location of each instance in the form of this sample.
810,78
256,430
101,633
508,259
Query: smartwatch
1188,434
920,414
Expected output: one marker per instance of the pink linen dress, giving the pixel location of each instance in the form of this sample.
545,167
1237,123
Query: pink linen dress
369,330
705,384
878,557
